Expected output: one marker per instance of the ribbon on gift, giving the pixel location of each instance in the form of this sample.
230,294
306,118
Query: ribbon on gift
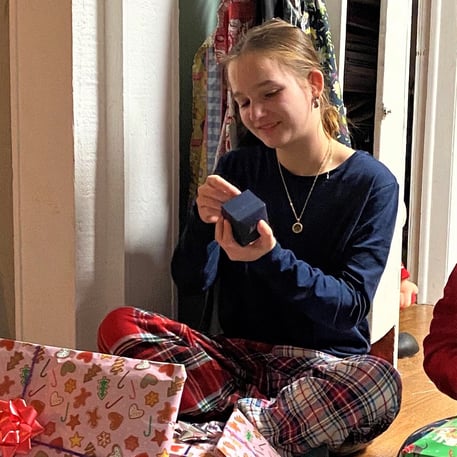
18,425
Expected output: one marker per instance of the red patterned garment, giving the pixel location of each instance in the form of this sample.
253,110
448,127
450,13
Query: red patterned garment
440,345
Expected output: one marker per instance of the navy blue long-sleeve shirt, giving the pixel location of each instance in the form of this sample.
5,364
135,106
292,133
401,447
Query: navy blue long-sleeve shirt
315,288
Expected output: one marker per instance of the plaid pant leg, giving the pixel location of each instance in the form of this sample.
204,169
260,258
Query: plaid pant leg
213,378
336,402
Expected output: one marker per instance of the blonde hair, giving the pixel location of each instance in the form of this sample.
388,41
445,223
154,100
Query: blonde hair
293,49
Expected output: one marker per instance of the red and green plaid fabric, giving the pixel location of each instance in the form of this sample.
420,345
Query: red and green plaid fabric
298,399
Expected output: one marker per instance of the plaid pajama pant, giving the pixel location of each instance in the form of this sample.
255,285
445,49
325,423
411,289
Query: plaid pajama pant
299,399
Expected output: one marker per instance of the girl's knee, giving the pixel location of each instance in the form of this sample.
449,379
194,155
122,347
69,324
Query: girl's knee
115,325
387,371
116,317
386,381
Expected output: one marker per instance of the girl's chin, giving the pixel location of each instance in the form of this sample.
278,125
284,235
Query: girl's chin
269,140
270,144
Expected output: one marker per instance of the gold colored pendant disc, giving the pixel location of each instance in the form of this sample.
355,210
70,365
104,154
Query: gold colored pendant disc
297,227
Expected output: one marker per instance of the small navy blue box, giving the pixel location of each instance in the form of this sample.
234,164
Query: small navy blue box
243,212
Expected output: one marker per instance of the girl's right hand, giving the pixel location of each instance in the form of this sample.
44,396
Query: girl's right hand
211,195
253,251
408,293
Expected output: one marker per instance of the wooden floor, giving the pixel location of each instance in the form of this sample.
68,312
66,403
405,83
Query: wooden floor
422,402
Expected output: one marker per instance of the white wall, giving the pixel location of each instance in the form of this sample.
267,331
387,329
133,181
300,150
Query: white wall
433,216
125,76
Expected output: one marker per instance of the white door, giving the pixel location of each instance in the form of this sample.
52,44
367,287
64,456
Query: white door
391,118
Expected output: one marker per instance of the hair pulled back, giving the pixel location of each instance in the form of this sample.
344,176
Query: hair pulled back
292,49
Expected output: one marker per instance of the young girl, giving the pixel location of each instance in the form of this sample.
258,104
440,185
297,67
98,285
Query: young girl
292,304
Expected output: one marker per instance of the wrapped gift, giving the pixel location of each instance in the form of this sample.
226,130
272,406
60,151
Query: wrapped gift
239,438
438,442
63,402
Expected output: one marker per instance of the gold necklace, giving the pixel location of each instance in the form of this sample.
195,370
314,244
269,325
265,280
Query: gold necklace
297,226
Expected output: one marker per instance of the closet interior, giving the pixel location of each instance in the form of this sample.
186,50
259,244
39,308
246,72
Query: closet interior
360,70
360,82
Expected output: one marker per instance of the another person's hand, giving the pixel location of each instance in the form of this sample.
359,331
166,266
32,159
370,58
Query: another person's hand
211,195
253,251
408,293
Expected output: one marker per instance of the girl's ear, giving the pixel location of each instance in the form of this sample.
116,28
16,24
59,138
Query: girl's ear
316,81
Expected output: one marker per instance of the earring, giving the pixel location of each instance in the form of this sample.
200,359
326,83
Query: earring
316,102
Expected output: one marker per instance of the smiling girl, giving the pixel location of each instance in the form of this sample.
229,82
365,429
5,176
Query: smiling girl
292,354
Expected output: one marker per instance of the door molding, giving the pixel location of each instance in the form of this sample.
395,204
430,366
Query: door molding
433,213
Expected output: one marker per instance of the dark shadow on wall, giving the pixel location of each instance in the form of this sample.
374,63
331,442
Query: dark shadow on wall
197,20
7,287
144,279
6,327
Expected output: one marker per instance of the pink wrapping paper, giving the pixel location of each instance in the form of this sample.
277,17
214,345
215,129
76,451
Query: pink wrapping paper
92,404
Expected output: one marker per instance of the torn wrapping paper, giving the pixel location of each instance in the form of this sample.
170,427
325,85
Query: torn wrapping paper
196,440
237,438
87,404
241,438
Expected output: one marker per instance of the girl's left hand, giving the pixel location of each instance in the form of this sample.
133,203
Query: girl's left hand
253,251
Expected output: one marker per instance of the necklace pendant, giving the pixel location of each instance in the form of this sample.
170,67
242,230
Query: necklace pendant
297,227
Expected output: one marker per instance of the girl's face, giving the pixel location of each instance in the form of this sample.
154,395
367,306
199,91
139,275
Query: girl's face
273,104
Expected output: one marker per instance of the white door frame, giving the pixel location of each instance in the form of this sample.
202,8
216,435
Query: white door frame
432,251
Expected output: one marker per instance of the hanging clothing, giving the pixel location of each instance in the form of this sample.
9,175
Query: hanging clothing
212,129
213,110
207,113
268,9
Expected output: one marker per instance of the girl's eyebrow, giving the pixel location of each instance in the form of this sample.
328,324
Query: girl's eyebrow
257,86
